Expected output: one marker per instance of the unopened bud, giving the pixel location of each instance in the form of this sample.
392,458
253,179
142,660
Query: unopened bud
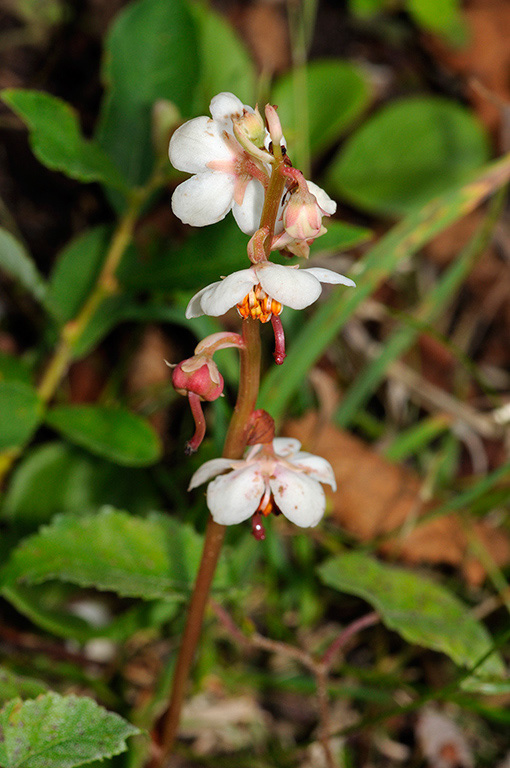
252,127
302,217
200,376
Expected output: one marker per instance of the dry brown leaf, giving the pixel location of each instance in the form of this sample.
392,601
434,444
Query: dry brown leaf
375,497
148,372
264,28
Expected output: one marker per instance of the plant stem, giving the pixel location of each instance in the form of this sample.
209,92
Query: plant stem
105,286
235,444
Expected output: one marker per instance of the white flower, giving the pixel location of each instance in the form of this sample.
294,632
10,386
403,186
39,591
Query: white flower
224,173
275,476
262,289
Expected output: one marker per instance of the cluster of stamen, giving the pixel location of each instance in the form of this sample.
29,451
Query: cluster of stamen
258,305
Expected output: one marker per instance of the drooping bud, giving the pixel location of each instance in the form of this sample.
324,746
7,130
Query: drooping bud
302,217
198,374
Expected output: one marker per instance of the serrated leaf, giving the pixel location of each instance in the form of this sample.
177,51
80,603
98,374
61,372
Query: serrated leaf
420,610
20,413
225,63
444,143
56,138
18,264
13,685
149,558
337,93
75,272
59,731
147,57
113,433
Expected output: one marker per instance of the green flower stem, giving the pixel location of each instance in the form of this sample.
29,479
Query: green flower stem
235,444
105,286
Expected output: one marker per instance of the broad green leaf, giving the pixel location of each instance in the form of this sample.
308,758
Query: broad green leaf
14,369
337,92
18,264
75,272
420,610
59,477
225,63
205,255
113,433
20,413
340,236
59,731
13,685
150,54
444,144
56,139
149,558
403,240
37,603
442,16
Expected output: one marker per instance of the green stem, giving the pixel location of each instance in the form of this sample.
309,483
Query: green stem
106,285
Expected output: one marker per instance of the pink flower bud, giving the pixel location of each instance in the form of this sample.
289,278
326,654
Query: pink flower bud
302,217
198,375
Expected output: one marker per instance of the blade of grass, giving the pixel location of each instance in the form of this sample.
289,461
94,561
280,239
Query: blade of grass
413,440
403,240
428,310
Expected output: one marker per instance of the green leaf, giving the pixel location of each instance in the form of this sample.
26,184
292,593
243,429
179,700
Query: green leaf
59,731
75,272
403,240
14,369
16,261
113,433
443,144
225,63
149,558
218,250
442,16
20,413
13,685
337,93
420,610
59,477
148,56
56,139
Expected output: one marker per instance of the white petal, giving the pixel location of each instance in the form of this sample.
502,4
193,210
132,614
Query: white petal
204,199
219,297
286,446
328,276
195,144
224,106
292,287
234,497
248,214
300,498
194,308
211,469
315,467
325,202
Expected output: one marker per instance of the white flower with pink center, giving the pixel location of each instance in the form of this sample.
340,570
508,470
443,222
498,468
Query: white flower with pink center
226,177
273,477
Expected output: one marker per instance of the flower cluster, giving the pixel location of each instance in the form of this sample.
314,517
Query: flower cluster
239,163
